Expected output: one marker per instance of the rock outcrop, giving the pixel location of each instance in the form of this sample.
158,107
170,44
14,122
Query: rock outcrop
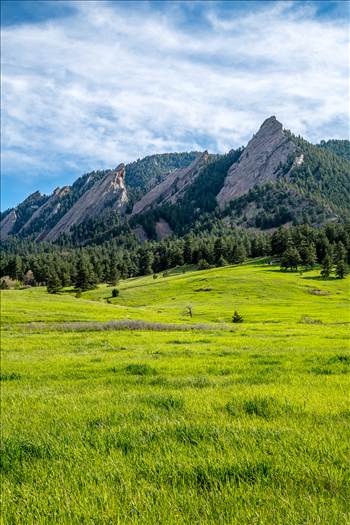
260,162
107,193
49,208
172,187
7,224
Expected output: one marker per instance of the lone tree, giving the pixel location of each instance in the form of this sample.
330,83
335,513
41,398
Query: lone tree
237,318
115,292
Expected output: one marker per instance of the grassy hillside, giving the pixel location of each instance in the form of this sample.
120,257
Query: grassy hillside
244,423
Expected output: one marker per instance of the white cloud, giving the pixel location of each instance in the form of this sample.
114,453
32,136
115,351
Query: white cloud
113,83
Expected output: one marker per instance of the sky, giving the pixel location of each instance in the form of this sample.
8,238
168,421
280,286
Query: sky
87,85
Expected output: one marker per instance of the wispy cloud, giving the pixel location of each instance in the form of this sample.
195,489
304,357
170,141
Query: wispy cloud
114,82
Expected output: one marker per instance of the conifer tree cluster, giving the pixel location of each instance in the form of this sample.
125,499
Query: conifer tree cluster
82,268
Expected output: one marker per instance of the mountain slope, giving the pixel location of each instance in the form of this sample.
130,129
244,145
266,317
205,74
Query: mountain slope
172,187
276,179
339,147
143,174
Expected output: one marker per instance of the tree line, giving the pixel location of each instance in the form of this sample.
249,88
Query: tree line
59,266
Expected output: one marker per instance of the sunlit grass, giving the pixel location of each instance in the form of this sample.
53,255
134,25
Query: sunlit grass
246,425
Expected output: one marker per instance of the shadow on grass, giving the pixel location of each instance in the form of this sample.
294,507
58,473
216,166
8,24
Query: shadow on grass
319,278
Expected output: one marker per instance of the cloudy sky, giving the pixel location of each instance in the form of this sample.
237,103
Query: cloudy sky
87,85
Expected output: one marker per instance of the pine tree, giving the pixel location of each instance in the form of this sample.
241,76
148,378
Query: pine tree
112,274
146,261
85,278
15,268
218,250
341,269
54,283
239,253
308,255
340,253
290,258
327,265
188,250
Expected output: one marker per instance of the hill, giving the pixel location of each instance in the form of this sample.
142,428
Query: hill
204,424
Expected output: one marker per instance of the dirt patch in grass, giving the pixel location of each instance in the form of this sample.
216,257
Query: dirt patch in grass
316,291
309,320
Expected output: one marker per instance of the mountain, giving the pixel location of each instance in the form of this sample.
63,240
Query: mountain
36,216
276,179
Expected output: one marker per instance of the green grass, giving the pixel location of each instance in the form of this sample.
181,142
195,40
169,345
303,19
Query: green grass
243,424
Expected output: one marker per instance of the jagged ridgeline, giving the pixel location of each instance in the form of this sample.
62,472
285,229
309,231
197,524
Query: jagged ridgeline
277,179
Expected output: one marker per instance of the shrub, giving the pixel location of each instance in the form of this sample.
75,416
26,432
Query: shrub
115,292
237,318
203,265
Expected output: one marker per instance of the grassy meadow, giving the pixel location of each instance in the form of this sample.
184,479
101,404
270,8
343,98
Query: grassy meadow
224,424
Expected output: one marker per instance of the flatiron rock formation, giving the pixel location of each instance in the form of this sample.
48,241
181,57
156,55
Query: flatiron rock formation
259,163
107,193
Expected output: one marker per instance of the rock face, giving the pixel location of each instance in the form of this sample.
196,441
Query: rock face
259,163
172,187
7,224
52,206
108,193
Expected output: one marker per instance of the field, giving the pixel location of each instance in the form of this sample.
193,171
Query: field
222,424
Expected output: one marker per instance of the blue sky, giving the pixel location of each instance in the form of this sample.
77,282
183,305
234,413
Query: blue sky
87,85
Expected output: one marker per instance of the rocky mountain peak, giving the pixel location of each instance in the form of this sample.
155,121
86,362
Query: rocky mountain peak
270,124
118,178
260,162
